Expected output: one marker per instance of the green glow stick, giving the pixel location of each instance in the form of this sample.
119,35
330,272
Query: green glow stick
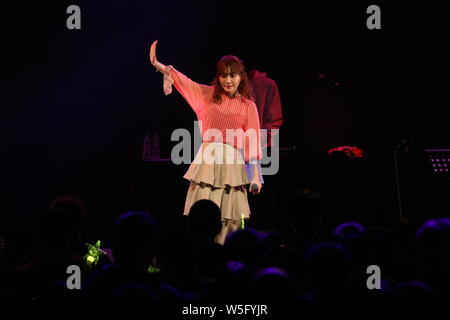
94,253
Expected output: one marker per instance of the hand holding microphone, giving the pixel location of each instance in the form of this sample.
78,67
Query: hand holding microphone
255,187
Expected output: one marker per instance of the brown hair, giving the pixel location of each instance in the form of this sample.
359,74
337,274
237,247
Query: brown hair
236,65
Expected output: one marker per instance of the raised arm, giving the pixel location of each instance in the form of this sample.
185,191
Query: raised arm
154,61
194,93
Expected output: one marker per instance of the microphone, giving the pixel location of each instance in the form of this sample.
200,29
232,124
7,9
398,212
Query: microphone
322,77
254,188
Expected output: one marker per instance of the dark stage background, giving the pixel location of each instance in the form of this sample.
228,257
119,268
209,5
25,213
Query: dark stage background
77,103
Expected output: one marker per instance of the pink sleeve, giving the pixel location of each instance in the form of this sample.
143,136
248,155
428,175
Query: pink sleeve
195,94
252,141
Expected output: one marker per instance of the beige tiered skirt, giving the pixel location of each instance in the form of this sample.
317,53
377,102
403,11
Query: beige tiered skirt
218,174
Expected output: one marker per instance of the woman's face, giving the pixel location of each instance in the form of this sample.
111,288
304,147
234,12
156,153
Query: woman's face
229,81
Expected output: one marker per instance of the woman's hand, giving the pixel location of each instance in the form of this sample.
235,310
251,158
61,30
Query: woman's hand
153,59
158,65
256,182
252,189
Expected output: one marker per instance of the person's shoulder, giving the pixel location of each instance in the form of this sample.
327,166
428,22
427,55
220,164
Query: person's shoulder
247,100
250,103
268,80
262,79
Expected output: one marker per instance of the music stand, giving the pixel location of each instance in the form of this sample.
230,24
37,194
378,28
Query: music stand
439,161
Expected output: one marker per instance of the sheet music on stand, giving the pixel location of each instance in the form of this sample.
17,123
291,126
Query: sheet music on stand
439,161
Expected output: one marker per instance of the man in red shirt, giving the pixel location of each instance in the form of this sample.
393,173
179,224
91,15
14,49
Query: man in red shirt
267,99
268,103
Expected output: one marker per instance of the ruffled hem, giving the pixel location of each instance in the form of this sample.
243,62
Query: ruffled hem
233,202
218,165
